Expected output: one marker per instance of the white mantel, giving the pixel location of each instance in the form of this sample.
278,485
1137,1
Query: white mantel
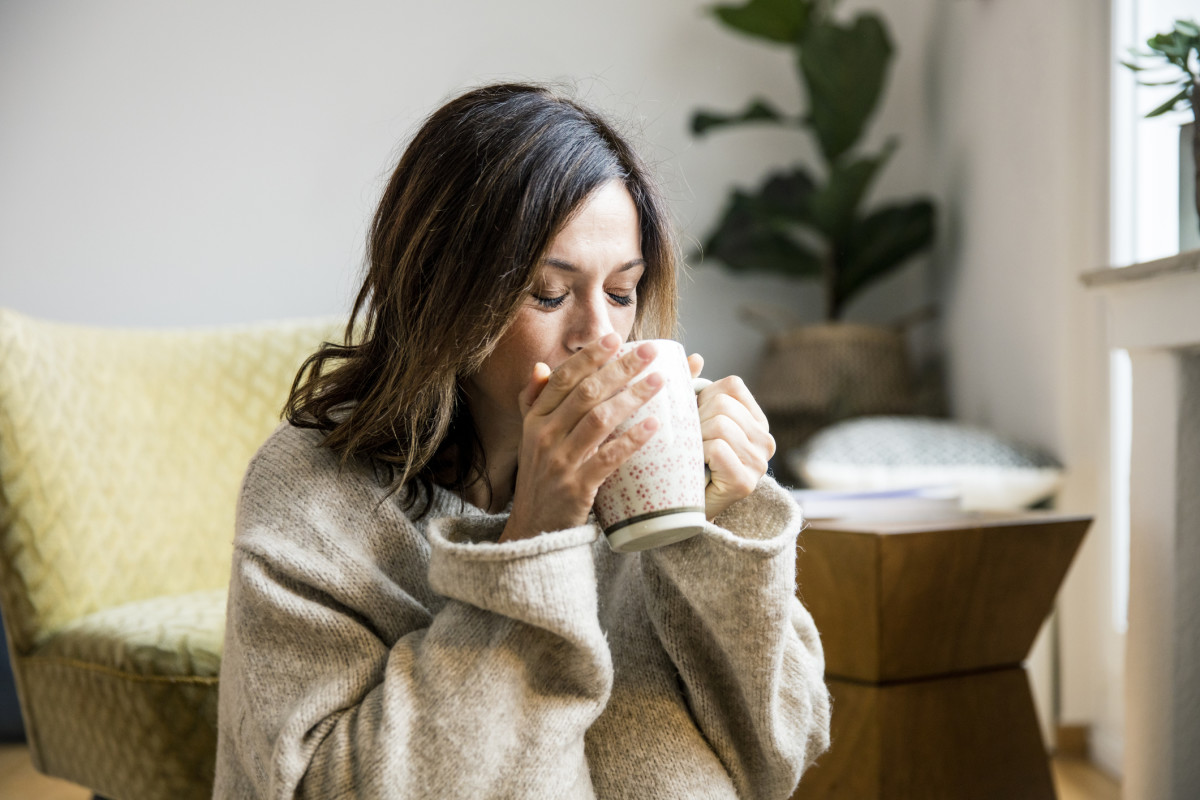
1153,312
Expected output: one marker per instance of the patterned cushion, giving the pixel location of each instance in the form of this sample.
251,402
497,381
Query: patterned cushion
991,471
177,635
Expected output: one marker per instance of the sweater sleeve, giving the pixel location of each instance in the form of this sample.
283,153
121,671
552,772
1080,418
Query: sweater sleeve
724,606
343,678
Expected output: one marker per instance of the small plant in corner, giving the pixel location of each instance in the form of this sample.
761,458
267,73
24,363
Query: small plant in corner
1178,52
812,224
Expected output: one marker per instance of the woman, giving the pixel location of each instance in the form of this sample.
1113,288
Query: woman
419,605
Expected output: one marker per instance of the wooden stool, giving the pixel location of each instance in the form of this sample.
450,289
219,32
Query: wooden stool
925,628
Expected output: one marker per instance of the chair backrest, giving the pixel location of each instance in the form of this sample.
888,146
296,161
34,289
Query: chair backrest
121,456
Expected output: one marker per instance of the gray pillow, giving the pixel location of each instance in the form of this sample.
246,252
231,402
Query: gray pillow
991,471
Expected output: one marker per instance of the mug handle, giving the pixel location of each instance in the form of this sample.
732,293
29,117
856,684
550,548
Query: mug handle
698,385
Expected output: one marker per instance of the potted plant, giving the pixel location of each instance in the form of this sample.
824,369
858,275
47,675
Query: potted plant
1178,51
812,224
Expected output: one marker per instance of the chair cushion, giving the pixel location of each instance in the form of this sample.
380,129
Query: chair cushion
991,471
175,635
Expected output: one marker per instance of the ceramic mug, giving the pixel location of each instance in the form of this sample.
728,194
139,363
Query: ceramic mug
657,496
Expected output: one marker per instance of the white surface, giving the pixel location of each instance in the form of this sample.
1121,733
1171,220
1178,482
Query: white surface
1020,106
907,504
1149,668
981,488
1162,676
195,163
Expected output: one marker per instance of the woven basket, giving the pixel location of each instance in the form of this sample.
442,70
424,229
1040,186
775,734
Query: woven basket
811,376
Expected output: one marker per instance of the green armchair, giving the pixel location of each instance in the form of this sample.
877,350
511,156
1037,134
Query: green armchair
121,456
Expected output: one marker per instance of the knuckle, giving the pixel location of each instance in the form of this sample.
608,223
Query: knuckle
544,438
631,363
723,404
611,457
601,417
645,390
724,427
588,390
559,380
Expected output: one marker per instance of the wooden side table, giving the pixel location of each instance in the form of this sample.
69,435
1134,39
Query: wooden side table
925,628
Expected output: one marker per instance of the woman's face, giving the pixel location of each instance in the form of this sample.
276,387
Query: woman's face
586,287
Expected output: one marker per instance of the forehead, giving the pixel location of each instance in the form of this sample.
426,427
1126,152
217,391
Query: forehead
607,219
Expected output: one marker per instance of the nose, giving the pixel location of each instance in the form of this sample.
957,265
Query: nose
589,321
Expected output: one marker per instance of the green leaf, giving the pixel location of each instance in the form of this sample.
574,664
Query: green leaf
787,196
835,204
1187,28
880,243
1166,43
844,69
758,111
757,232
1175,82
781,21
1170,104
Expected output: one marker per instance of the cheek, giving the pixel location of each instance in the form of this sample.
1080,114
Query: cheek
528,341
622,321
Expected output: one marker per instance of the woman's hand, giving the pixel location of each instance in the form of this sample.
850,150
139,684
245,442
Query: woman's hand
737,444
568,414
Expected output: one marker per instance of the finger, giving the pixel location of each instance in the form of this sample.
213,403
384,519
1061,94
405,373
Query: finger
731,480
736,388
725,405
613,454
695,364
537,382
749,454
599,423
569,373
608,381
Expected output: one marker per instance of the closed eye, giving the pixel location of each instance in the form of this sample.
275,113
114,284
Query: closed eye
622,299
549,302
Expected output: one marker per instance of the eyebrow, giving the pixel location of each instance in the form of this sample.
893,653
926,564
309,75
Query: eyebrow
569,267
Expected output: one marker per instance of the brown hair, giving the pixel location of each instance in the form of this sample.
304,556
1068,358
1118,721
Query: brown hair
454,247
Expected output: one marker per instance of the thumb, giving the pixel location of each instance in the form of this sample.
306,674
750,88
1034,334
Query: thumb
695,364
537,382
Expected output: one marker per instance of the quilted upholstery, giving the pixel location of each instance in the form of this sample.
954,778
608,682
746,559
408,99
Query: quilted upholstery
121,454
172,635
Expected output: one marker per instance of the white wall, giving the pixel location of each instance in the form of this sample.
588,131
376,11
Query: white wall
197,163
1023,154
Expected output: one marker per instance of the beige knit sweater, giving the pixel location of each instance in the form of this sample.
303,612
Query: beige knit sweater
370,656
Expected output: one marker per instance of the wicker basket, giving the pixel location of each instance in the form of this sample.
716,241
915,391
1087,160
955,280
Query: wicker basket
813,375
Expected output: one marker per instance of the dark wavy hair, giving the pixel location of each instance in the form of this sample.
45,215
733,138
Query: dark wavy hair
454,249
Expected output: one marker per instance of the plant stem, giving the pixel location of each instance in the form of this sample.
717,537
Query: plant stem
1195,98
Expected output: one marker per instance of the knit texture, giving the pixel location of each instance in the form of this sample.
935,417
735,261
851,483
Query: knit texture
371,656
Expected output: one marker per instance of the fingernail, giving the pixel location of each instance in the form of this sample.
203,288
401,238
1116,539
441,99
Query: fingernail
610,341
650,424
654,380
646,351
